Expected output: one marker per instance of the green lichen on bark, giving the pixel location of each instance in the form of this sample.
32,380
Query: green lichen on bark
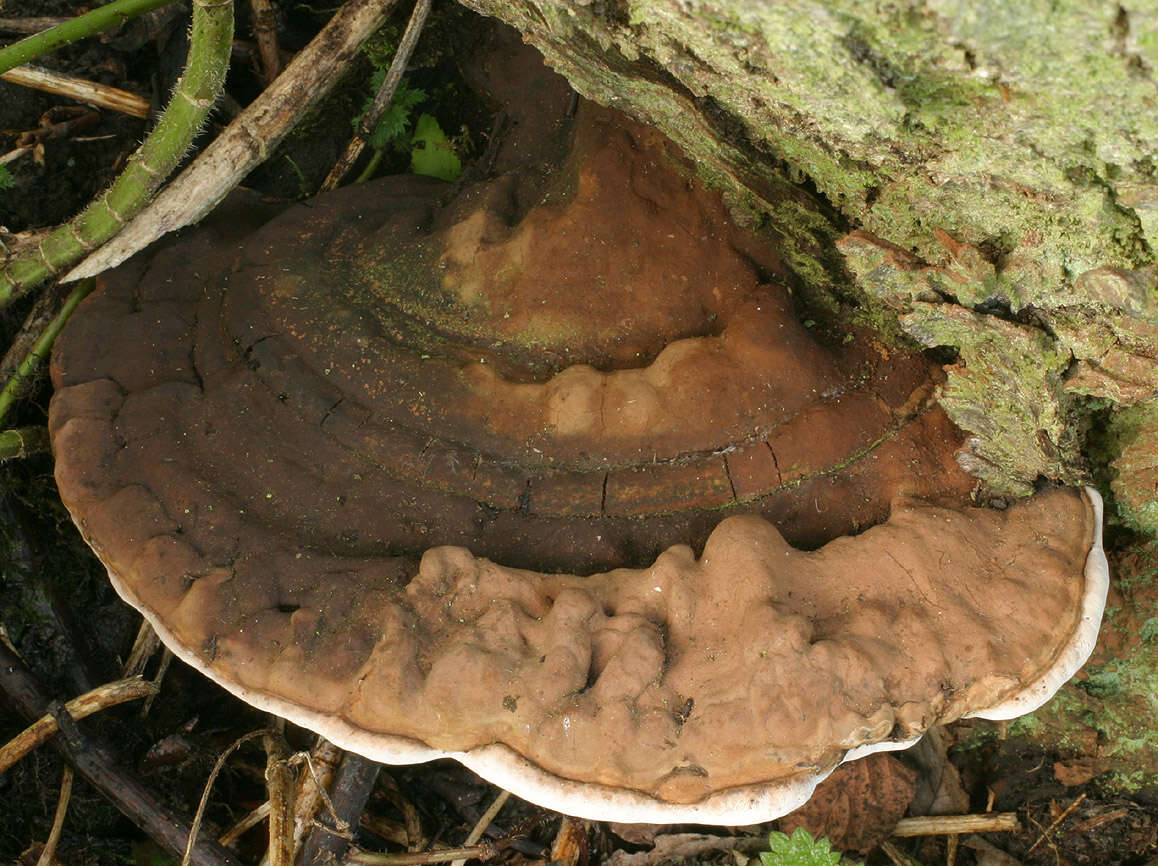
1133,439
1007,386
1006,389
1113,337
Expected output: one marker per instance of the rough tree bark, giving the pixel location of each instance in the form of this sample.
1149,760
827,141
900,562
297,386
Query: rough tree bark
979,175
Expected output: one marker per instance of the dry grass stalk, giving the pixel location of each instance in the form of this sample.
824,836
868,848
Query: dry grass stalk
88,92
108,695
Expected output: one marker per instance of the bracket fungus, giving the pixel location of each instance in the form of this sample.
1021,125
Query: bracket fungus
424,469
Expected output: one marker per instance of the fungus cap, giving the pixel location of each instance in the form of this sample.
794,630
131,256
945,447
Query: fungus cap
339,481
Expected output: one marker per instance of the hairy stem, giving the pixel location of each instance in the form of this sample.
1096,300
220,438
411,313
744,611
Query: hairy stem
96,21
196,91
251,137
17,386
22,442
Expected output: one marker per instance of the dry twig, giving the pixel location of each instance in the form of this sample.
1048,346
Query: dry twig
88,92
312,785
410,831
162,669
59,121
1099,820
29,26
279,783
483,822
1069,810
353,782
96,766
186,859
899,857
144,645
108,695
48,853
570,845
245,824
249,139
485,851
941,825
15,154
383,97
265,32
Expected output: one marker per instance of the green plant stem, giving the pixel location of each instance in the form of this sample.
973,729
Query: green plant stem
15,387
23,441
96,21
198,88
371,167
252,136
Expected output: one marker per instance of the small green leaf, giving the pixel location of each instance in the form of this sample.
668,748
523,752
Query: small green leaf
799,849
396,118
431,154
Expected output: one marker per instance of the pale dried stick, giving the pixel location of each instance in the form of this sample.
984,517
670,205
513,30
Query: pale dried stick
279,784
941,825
217,765
485,851
483,822
897,856
98,699
30,25
144,645
88,92
570,844
249,140
15,154
48,853
383,97
313,781
248,822
1069,810
162,669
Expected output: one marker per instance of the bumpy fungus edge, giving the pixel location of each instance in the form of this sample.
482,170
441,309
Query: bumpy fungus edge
742,805
1074,654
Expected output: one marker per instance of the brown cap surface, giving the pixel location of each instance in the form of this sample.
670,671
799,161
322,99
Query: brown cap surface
322,464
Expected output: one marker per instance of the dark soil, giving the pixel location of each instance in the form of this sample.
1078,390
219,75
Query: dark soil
60,614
